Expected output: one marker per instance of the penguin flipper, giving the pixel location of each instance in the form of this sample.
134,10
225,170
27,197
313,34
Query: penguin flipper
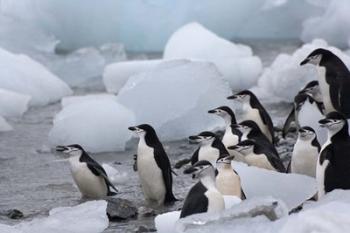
181,163
134,166
288,122
268,121
289,167
99,171
194,158
243,196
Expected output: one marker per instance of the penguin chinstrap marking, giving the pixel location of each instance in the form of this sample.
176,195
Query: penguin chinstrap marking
333,166
253,110
203,197
228,181
334,80
305,153
210,148
231,136
256,154
153,167
89,176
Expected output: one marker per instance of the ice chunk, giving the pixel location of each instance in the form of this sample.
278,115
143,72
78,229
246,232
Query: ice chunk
257,182
285,77
13,104
175,92
98,124
235,61
117,74
21,74
333,25
89,217
4,126
114,175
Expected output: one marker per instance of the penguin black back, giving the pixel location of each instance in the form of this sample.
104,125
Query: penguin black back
191,203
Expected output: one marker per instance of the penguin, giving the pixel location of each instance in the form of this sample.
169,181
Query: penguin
210,148
228,181
231,136
250,130
203,197
253,110
307,105
305,153
333,165
258,155
153,167
89,176
334,80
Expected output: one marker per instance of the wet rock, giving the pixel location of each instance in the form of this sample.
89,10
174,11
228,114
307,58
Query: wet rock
142,229
120,209
13,214
146,212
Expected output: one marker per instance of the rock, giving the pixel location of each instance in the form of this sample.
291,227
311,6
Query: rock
12,213
141,229
146,212
120,209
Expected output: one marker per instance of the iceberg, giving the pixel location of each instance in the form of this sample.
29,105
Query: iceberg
175,92
13,104
4,126
235,61
97,123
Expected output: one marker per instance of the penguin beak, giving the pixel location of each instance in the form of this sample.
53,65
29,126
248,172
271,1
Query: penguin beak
194,139
132,128
324,122
302,131
233,147
305,61
212,111
232,97
191,170
61,148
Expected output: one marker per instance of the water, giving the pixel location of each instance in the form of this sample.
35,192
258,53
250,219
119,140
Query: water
33,181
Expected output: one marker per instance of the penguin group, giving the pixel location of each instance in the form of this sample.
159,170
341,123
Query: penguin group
251,140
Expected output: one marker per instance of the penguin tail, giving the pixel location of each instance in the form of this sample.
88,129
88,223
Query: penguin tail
170,199
110,193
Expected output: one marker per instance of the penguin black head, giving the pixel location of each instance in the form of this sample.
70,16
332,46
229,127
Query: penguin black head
146,131
300,99
225,159
71,150
243,96
246,147
318,56
200,169
205,137
223,112
307,133
335,122
247,126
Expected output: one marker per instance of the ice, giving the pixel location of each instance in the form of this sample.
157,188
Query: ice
22,74
165,223
257,182
235,61
175,92
333,25
4,126
114,175
285,77
13,104
98,123
117,74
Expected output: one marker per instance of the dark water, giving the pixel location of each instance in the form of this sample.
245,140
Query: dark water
34,182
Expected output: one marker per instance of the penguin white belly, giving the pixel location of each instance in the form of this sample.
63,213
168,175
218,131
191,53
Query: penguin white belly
208,153
229,139
309,115
228,183
259,161
89,184
151,177
325,89
254,115
320,172
215,201
304,159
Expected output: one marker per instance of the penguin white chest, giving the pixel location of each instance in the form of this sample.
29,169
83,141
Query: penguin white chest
325,89
228,182
215,200
259,160
208,153
320,172
89,184
229,139
151,177
304,158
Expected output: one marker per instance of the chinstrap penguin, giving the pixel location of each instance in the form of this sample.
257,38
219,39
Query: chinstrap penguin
253,110
258,155
153,166
333,165
203,197
228,181
89,176
305,153
334,80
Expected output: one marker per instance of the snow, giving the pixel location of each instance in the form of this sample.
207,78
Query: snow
13,104
175,92
22,74
257,182
89,217
117,74
333,25
98,123
235,61
285,77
